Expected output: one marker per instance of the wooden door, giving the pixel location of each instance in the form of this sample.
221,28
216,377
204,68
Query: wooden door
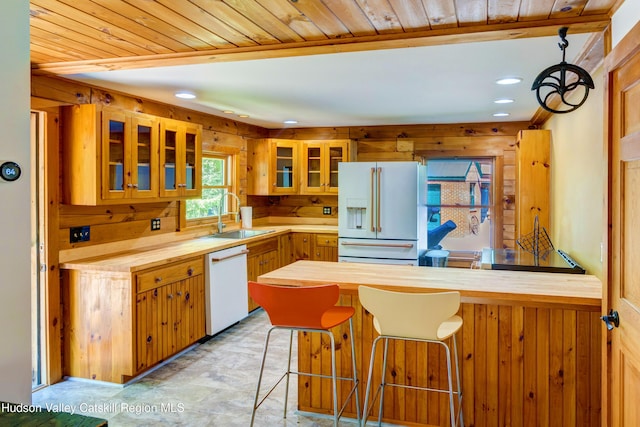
623,292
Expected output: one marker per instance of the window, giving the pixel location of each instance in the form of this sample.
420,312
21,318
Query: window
217,179
459,202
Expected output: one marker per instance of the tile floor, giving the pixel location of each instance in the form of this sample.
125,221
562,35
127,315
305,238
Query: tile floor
212,384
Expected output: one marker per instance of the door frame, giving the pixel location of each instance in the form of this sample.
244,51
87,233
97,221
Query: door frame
629,46
50,193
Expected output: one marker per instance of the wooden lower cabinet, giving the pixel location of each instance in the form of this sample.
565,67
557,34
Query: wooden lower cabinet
315,247
263,257
119,324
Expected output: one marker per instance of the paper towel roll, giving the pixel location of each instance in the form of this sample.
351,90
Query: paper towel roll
246,214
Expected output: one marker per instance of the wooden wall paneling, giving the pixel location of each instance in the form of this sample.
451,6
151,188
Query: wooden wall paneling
310,133
517,365
505,358
427,131
480,378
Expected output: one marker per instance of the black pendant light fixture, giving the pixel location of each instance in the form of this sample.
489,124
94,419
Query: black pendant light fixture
563,80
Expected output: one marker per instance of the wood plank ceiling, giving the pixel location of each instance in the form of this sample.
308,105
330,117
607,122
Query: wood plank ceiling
71,36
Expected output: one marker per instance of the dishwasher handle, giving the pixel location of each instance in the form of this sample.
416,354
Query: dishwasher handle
242,252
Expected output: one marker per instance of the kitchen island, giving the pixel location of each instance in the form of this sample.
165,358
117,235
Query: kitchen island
530,346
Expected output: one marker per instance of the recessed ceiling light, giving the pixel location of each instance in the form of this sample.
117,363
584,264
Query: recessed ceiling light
509,80
227,111
500,114
244,116
185,94
290,122
503,101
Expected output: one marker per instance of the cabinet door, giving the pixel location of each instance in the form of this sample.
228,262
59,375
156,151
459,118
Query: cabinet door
325,247
116,164
169,157
320,161
148,328
313,168
335,152
301,246
180,159
191,160
144,158
283,170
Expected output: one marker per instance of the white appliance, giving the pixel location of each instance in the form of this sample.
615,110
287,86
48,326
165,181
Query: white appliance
382,212
226,288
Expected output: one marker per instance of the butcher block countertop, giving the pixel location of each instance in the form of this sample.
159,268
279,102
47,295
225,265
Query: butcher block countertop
475,286
144,258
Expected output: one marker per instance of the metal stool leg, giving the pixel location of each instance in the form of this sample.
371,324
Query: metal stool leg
365,410
286,393
264,357
334,382
455,352
384,380
353,367
452,413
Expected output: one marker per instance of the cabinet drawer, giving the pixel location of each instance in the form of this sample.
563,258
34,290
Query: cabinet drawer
262,247
327,240
157,277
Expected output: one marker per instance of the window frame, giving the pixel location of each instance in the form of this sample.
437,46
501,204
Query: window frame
496,190
231,160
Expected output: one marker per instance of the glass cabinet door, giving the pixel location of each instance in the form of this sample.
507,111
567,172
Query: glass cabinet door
168,159
192,176
285,173
335,154
144,176
320,165
115,144
180,159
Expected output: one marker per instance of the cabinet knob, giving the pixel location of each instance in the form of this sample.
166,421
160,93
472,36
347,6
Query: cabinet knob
134,185
129,185
190,271
170,296
158,279
179,293
304,240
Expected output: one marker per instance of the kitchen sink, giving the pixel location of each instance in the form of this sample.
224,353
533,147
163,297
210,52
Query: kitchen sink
240,234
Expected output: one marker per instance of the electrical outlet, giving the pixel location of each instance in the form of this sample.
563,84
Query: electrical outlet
79,234
155,224
326,210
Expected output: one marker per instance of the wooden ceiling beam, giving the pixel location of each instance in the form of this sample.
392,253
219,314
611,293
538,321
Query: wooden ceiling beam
502,31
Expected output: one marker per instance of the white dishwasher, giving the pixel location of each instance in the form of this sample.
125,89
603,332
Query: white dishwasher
226,288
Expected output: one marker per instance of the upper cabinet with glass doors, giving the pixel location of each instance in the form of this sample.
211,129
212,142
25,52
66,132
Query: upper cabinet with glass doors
180,159
274,167
111,156
288,166
320,165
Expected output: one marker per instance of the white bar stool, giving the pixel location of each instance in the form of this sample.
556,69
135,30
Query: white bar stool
421,317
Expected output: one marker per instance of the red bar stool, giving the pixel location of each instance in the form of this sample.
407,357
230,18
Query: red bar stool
305,309
422,317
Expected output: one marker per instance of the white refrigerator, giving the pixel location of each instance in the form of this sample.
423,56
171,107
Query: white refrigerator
382,212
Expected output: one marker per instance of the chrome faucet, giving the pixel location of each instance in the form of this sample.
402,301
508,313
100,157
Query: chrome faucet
221,226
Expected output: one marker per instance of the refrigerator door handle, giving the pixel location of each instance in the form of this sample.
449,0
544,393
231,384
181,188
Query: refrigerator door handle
383,245
373,228
379,201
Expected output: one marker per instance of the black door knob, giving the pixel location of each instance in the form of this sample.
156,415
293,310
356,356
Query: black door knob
611,320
